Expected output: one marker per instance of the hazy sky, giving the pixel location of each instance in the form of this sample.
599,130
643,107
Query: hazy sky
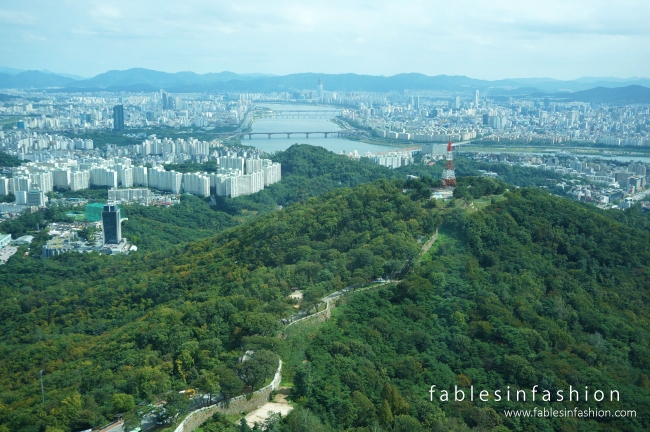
488,39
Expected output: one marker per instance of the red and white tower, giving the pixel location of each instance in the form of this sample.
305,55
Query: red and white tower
448,174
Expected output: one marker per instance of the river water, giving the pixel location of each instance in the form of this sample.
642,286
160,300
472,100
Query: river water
336,144
279,142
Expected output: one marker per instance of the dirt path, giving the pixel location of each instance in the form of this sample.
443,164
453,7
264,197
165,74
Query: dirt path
279,405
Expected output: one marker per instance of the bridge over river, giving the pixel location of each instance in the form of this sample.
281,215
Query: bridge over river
288,134
326,134
300,114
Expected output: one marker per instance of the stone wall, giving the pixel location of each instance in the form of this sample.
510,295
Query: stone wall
236,405
323,315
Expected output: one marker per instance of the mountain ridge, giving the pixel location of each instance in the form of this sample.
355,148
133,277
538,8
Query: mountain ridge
141,79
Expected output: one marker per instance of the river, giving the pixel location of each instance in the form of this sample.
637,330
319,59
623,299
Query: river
279,142
336,144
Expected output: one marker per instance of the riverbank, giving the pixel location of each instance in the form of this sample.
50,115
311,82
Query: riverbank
605,151
300,126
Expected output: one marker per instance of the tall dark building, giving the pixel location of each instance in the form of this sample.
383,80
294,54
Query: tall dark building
168,101
118,117
112,225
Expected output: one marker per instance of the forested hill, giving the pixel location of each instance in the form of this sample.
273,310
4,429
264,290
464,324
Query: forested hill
521,288
309,171
138,328
532,290
7,160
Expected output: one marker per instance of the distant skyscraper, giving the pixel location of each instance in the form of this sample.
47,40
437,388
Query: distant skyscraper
476,100
457,102
118,117
112,225
320,88
417,102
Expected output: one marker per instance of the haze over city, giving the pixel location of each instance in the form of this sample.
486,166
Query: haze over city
486,40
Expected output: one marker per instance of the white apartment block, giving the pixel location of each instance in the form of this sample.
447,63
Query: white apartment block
43,180
196,184
4,186
103,177
235,176
125,176
222,182
79,180
165,180
61,178
272,172
140,177
252,165
17,184
233,163
129,194
393,159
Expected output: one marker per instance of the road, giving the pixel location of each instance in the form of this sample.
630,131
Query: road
639,196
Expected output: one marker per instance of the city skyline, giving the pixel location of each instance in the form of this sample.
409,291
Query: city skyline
503,39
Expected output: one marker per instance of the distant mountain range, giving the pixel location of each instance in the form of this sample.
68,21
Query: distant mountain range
615,90
621,95
13,71
34,79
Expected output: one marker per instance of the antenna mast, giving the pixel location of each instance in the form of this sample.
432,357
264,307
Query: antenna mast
448,174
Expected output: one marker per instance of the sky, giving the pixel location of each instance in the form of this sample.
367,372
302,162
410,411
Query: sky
486,39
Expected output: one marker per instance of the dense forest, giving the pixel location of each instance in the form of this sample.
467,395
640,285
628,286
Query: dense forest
154,228
173,318
520,288
532,290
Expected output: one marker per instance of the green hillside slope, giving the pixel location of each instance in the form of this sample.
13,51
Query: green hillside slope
533,290
520,289
100,327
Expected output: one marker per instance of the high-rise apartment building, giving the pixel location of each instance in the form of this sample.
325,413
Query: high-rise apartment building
124,176
61,178
4,186
165,180
79,180
140,177
196,184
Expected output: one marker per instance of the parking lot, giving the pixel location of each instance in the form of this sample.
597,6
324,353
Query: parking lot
6,253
